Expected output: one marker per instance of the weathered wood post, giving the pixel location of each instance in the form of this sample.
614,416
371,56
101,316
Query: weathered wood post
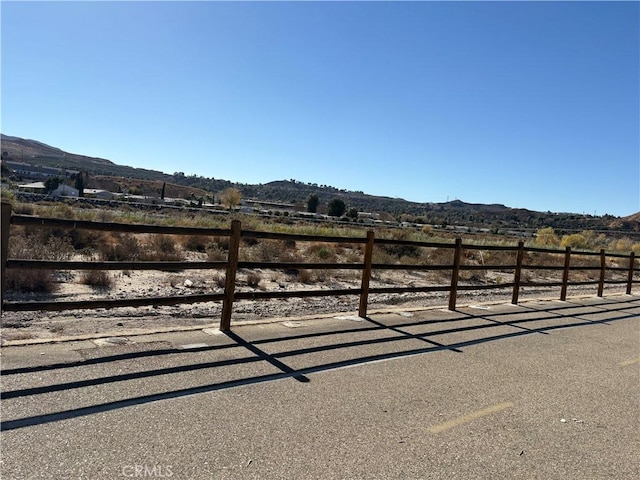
565,274
518,273
4,246
230,278
366,274
455,274
603,267
632,262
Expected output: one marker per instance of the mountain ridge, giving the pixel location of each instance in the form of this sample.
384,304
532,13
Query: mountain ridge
292,191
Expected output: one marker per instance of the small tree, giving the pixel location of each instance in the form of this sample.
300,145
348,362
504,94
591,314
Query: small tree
352,213
164,186
336,208
51,184
79,183
230,197
4,171
312,203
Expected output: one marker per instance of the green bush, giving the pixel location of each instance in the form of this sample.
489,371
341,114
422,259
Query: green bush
336,208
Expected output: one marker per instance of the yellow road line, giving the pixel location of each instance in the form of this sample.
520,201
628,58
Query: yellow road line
626,363
469,417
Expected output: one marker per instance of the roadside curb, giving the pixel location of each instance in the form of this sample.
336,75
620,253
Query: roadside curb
266,321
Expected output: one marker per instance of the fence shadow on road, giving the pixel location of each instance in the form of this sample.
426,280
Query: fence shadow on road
396,334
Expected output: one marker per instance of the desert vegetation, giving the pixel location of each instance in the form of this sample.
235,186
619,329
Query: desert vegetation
489,266
78,244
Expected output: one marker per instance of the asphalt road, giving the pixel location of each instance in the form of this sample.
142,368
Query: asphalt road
543,390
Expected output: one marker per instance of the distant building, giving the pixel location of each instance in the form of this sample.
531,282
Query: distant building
96,193
38,171
65,191
36,187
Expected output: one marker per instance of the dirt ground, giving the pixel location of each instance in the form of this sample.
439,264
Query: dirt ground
36,326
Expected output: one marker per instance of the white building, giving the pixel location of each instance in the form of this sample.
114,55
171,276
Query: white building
65,191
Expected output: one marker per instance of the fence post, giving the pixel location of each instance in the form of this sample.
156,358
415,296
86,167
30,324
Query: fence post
366,274
4,246
455,273
230,278
603,266
565,274
518,273
632,262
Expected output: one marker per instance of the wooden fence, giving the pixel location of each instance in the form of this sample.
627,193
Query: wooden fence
233,263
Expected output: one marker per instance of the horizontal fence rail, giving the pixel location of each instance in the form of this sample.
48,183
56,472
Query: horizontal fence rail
523,258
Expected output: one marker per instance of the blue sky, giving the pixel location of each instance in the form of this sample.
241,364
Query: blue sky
532,105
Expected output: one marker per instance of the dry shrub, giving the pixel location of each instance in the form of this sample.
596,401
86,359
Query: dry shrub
382,256
542,258
35,246
121,248
249,241
350,246
195,243
219,280
215,253
222,242
354,256
86,239
127,248
162,248
31,281
584,275
22,209
304,276
97,278
400,251
62,210
441,256
15,335
320,276
499,257
272,251
321,251
471,256
253,279
402,254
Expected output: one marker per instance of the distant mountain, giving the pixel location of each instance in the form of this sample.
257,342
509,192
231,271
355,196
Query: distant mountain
20,149
104,172
31,151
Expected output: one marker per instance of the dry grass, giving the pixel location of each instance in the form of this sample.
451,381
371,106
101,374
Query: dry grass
35,243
